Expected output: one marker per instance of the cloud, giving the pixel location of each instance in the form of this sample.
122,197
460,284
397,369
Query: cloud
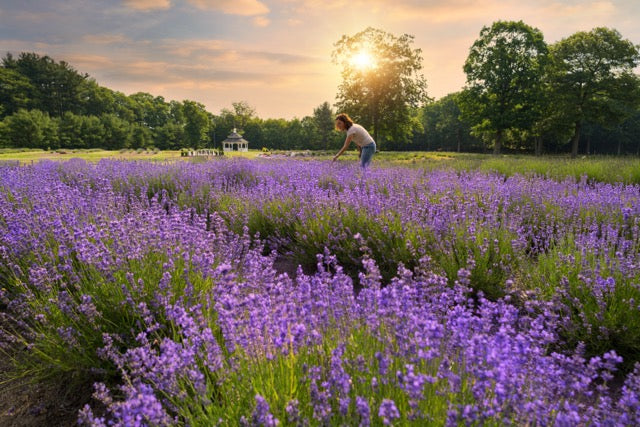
261,21
440,11
145,5
280,58
198,63
227,53
595,8
89,63
232,7
192,47
17,46
157,73
106,39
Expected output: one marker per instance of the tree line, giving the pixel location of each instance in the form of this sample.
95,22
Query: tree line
49,105
578,95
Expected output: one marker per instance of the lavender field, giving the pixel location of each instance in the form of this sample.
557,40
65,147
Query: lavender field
422,297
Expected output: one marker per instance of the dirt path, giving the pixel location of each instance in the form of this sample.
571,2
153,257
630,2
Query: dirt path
23,403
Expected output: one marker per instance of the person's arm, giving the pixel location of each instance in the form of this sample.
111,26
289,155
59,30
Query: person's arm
359,151
347,141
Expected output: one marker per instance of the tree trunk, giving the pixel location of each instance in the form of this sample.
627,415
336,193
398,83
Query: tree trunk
588,144
619,146
538,145
458,138
376,134
498,144
575,140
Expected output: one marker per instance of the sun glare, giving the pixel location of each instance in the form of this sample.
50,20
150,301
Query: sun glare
364,61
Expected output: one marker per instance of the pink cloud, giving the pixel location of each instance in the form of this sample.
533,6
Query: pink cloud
232,7
145,5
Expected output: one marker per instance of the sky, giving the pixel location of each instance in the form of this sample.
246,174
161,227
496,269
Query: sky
273,54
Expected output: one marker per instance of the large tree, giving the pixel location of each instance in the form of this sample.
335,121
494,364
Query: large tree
197,124
504,74
381,81
151,111
238,117
57,87
593,80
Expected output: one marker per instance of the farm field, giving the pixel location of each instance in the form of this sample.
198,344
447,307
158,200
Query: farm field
612,169
434,289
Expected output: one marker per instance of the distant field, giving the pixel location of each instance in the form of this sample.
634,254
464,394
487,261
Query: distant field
89,155
610,169
95,155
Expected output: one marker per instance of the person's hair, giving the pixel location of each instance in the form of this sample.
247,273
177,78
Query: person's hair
344,118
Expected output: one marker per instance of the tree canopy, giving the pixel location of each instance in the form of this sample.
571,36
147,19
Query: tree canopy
503,69
381,82
593,80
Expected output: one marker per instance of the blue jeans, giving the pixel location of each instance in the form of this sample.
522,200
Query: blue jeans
367,154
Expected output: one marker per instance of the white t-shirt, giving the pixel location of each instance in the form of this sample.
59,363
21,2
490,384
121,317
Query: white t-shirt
360,135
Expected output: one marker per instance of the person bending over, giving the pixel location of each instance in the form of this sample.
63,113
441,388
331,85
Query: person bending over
359,135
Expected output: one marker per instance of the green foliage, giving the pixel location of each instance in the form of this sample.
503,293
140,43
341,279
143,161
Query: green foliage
593,79
243,113
285,378
387,239
487,253
80,131
197,124
444,127
117,132
504,70
324,126
602,302
67,343
15,91
150,111
30,129
54,87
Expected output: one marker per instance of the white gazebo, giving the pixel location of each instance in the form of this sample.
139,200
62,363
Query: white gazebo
235,142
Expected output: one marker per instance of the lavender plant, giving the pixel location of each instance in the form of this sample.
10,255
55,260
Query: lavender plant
482,298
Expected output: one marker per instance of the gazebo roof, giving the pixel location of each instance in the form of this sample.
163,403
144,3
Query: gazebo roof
235,137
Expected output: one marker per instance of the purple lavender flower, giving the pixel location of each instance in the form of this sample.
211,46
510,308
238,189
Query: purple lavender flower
293,411
261,415
364,412
388,411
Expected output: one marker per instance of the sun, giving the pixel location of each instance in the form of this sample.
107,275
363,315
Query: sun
363,60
